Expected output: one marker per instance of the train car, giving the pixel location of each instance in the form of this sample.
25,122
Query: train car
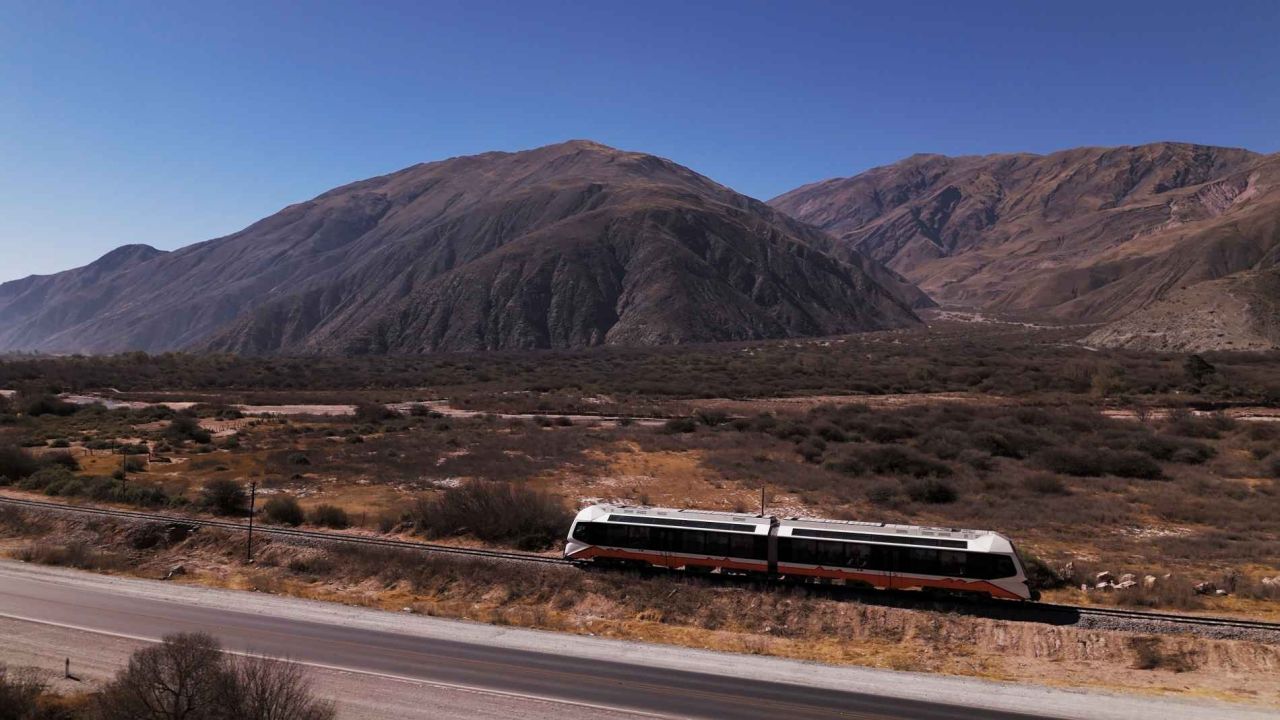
974,562
694,540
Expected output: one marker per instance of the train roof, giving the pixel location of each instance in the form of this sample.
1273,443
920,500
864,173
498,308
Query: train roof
675,517
848,530
922,535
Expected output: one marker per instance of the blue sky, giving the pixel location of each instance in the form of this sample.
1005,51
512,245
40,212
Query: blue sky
173,122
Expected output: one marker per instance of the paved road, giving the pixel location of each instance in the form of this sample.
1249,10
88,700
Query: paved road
382,663
539,675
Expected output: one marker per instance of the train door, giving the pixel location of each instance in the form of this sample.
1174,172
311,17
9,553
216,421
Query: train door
664,541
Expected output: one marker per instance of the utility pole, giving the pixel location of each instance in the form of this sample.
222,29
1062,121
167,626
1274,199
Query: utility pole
762,501
248,548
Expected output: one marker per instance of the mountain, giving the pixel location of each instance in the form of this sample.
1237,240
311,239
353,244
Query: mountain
1084,235
1237,312
569,245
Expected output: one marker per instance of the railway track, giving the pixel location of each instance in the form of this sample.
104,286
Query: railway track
272,530
1078,611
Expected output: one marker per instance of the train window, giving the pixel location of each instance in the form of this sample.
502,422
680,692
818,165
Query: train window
717,544
991,567
693,542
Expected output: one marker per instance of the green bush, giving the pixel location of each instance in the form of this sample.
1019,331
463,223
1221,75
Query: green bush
49,405
284,510
185,427
1131,464
223,496
16,464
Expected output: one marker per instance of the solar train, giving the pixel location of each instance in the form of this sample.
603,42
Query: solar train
973,562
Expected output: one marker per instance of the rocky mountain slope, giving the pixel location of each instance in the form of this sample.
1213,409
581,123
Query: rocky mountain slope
569,245
1085,235
1237,312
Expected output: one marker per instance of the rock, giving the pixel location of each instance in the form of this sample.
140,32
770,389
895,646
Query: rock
1149,581
1127,577
1084,587
1271,582
1104,577
175,571
1126,584
1205,588
1104,586
1220,592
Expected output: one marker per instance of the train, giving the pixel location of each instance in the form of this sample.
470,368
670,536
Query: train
867,554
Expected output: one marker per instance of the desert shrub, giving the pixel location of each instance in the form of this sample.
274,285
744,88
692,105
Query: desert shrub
185,427
1131,464
298,459
1073,461
219,410
882,493
811,449
20,693
61,459
931,490
16,464
496,512
330,516
564,421
848,464
831,433
1182,422
676,426
1045,484
369,412
59,443
1174,449
712,418
49,405
283,509
897,460
223,496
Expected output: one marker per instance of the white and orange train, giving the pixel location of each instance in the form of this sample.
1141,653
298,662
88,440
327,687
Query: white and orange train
855,553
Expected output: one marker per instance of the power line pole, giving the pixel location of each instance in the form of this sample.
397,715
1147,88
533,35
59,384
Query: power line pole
248,548
762,501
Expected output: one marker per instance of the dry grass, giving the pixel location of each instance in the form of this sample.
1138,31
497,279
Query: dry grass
780,622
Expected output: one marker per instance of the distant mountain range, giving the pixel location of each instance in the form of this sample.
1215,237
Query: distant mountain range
1166,246
569,245
1169,243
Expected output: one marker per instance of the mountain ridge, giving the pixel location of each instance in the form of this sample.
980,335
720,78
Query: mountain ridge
1080,235
567,245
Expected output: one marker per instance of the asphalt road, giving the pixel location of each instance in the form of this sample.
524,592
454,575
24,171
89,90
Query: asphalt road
535,676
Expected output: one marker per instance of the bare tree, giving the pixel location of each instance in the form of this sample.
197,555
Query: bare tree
265,689
179,679
188,677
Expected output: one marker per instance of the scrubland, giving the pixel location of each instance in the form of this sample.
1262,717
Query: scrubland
1091,462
